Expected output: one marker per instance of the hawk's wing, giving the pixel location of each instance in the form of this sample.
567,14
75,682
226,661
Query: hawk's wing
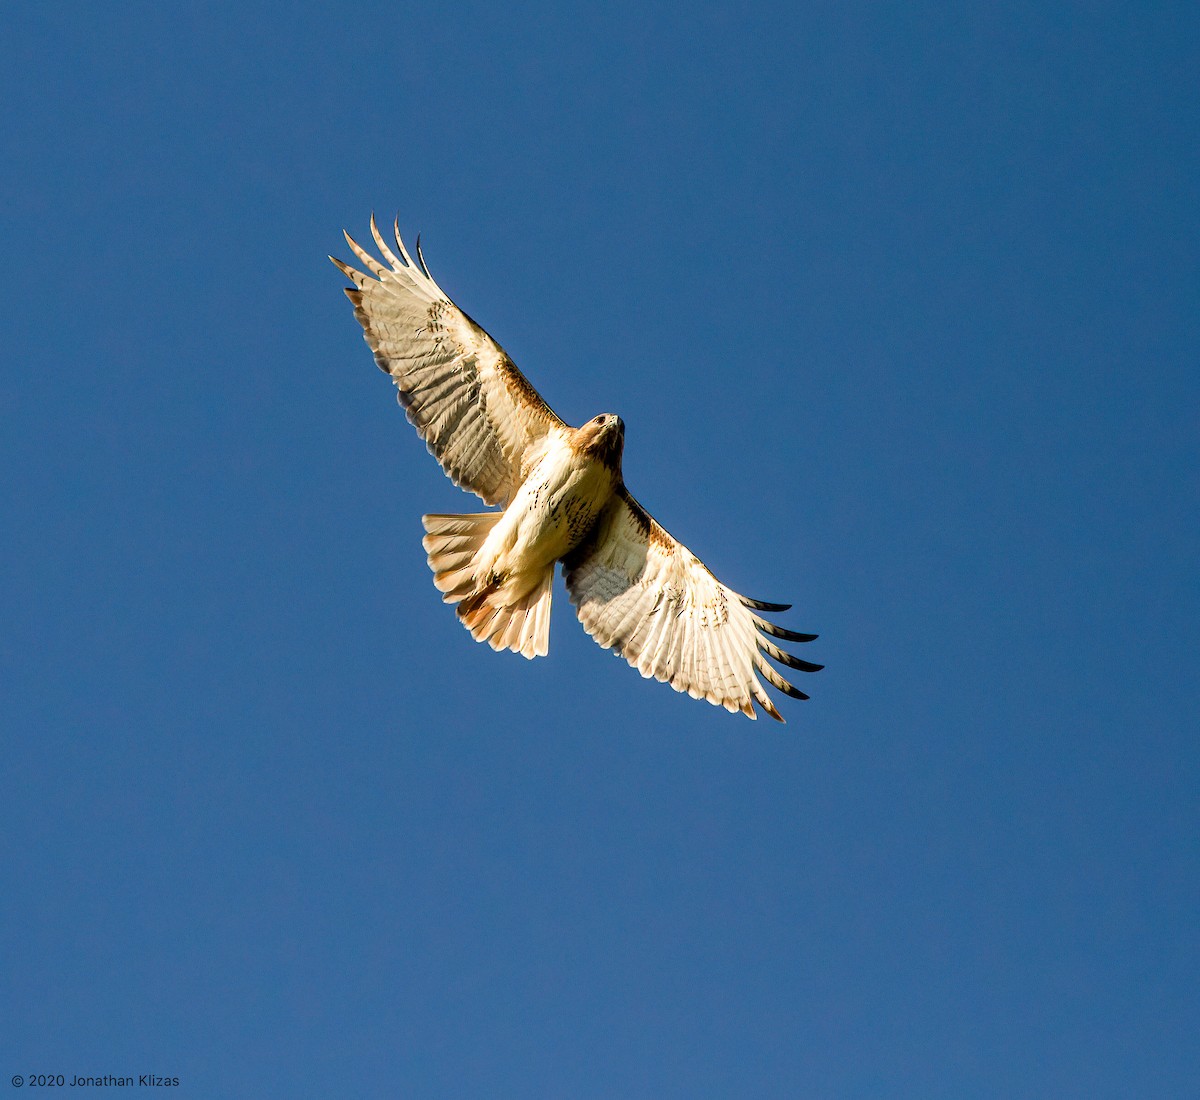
648,597
478,414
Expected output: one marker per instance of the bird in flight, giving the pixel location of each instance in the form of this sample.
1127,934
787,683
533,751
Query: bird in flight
561,497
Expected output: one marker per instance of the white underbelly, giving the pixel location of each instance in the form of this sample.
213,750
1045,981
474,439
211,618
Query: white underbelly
551,513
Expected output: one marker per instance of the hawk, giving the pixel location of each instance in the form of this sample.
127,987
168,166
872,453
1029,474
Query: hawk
561,497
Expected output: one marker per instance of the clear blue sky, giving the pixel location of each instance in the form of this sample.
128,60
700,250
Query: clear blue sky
899,303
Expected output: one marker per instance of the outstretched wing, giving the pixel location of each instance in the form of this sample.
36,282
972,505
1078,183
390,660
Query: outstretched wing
640,592
480,417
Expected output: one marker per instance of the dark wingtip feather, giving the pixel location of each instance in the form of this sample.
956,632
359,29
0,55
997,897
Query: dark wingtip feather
775,680
789,659
785,634
762,605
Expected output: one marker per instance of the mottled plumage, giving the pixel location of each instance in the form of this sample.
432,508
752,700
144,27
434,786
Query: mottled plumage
637,590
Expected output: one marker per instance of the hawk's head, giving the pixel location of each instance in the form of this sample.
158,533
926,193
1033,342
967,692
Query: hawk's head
603,439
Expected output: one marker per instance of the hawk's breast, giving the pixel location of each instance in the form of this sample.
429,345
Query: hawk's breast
553,511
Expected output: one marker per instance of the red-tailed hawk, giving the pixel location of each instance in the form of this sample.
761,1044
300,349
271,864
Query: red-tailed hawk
561,498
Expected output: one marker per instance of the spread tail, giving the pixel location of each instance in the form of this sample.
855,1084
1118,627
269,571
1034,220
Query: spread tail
452,543
502,612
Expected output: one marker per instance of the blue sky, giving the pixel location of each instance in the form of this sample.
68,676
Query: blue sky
899,303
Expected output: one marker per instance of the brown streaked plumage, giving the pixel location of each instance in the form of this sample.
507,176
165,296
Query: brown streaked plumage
636,589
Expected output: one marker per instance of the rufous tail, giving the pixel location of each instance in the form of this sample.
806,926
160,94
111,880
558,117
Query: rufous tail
497,611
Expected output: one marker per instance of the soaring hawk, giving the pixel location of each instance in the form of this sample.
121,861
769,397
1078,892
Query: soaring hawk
561,497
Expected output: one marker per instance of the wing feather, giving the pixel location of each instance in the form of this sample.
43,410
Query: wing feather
707,662
775,653
642,593
382,245
779,632
476,411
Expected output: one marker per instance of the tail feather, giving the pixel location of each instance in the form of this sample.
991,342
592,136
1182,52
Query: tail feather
455,586
452,543
455,559
522,626
487,609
